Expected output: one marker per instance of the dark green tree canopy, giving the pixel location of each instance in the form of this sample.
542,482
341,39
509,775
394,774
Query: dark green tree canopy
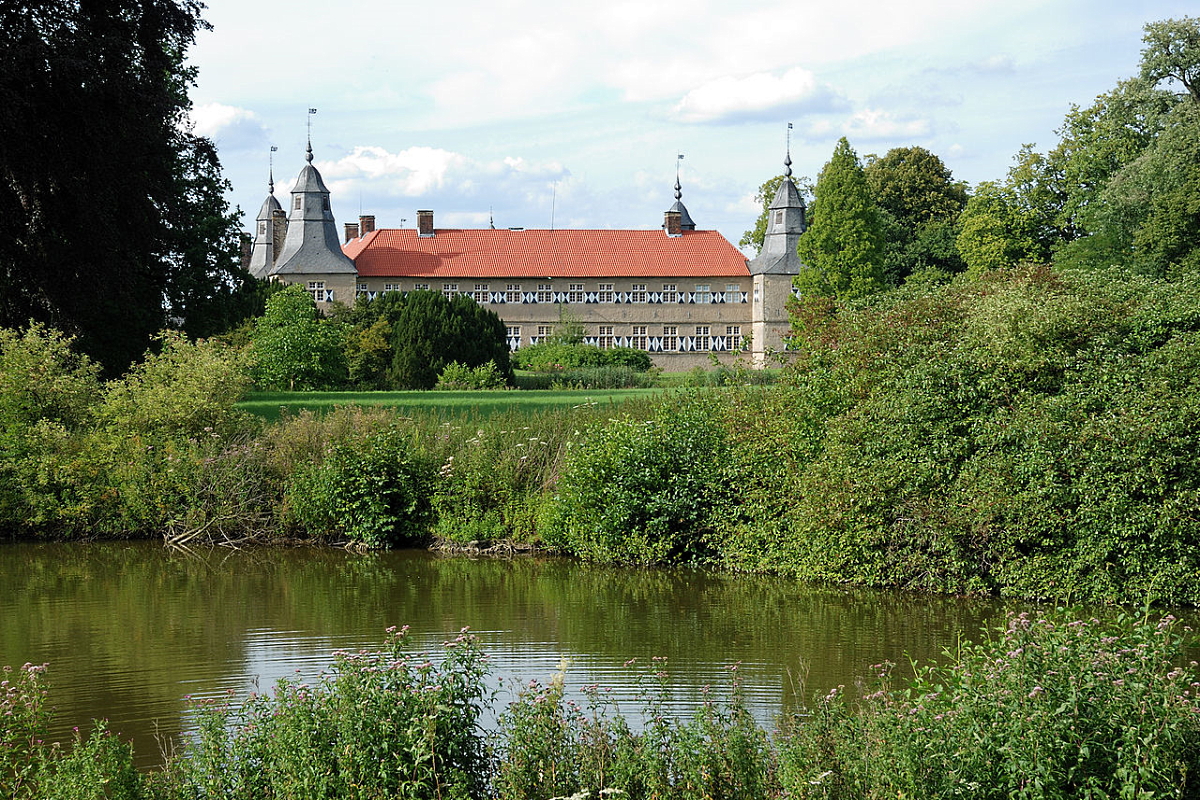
844,242
764,196
111,213
432,331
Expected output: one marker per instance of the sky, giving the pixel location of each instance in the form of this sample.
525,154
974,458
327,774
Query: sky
537,114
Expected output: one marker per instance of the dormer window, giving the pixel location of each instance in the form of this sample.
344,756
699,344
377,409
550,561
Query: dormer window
325,203
296,203
779,217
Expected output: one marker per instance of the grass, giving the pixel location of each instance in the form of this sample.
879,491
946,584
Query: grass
271,405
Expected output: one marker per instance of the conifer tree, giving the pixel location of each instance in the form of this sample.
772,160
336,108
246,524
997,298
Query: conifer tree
843,245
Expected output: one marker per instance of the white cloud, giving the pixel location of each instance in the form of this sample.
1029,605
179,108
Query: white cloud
230,127
872,124
762,95
412,172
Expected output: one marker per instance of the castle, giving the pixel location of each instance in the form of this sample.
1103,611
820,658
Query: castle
681,294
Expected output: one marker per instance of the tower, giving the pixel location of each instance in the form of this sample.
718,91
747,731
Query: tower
263,250
772,271
312,252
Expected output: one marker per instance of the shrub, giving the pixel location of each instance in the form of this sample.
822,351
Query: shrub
382,723
459,377
373,489
1045,709
644,491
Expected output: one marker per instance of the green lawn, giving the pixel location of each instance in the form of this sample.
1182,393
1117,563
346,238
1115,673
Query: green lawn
270,405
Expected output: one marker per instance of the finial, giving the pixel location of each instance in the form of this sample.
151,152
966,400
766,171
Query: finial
787,161
308,155
678,188
271,170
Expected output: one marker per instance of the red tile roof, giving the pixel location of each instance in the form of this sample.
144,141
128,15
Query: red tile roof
471,253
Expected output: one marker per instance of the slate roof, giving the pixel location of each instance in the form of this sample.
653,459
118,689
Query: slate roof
480,253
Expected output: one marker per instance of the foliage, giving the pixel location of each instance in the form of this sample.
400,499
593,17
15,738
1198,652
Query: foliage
995,232
643,491
1046,708
43,378
431,332
90,245
1021,434
553,747
185,389
556,354
382,723
373,489
919,202
294,348
458,377
843,245
1172,52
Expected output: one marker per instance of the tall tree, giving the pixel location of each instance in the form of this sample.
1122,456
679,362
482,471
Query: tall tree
294,347
844,242
920,201
1172,52
105,216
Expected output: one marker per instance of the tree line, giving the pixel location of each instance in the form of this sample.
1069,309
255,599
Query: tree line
1121,186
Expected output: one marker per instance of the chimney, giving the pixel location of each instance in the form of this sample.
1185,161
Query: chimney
351,230
366,224
672,221
424,223
247,247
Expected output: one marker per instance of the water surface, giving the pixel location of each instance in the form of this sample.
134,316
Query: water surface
131,629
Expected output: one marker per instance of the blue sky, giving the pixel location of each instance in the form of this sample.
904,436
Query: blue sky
572,114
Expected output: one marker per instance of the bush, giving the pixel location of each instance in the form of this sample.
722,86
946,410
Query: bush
557,355
459,377
644,491
373,489
380,724
1045,709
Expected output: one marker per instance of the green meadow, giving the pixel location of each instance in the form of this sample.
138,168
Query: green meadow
272,405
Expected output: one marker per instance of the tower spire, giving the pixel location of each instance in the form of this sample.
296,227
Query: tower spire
308,154
787,161
271,170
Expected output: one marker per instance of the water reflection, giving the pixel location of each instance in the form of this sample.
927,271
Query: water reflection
129,630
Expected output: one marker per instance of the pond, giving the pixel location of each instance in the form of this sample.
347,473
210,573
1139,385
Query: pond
130,630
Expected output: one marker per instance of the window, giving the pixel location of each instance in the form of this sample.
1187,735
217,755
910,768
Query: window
702,338
449,290
733,337
733,293
670,293
296,203
703,293
513,332
604,337
417,287
262,228
779,217
757,296
325,203
574,292
545,293
638,339
605,295
637,293
318,292
481,293
544,332
393,287
362,289
512,293
670,337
